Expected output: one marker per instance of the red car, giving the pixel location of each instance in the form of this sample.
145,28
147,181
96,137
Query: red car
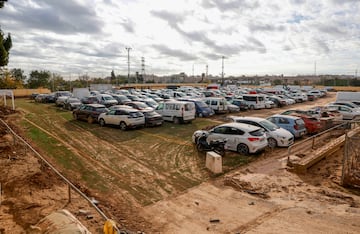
312,124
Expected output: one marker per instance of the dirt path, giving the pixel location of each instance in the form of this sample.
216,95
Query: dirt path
263,197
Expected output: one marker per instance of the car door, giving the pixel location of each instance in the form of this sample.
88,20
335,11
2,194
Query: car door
346,112
110,117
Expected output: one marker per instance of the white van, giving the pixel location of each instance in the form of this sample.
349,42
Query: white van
254,101
177,111
218,104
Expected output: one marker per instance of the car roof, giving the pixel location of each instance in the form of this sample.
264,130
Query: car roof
242,126
95,105
255,119
286,116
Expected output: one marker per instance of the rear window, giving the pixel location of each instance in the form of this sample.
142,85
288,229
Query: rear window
299,122
259,132
268,125
202,104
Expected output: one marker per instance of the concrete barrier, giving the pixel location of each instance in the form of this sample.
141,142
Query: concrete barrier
214,162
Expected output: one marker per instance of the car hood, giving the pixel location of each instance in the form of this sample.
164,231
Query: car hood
281,132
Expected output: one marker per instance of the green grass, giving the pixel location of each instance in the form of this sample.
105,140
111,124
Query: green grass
63,157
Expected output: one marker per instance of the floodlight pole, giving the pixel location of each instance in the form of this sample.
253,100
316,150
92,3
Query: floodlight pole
128,52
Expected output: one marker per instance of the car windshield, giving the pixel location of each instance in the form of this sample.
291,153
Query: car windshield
108,98
268,125
141,105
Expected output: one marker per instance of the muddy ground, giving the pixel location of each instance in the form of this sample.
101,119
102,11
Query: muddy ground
136,187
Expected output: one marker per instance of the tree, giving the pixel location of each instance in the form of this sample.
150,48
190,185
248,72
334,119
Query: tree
18,75
112,77
8,81
5,45
39,79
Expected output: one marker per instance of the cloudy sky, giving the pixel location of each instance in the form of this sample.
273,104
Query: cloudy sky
260,37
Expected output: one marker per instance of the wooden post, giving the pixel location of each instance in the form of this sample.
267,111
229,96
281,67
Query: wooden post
69,193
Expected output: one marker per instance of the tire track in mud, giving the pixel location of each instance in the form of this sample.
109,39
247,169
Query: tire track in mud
149,171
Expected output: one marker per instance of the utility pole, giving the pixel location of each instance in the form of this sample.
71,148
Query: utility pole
128,52
143,69
206,71
193,70
222,71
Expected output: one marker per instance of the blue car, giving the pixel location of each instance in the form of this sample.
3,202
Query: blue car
293,124
202,109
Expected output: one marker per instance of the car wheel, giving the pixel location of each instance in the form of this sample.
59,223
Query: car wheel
90,120
272,143
75,116
252,107
102,122
200,115
176,120
123,126
243,149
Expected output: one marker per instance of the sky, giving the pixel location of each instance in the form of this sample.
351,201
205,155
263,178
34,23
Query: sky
250,37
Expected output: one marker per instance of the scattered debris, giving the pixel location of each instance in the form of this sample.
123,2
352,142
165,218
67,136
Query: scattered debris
214,220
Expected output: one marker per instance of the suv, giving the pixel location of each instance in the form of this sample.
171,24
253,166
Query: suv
276,136
122,116
89,112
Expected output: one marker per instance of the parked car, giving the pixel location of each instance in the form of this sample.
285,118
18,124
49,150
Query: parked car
61,100
150,102
124,117
243,138
347,112
293,124
106,100
89,112
345,103
254,101
177,111
316,93
279,102
232,107
218,104
62,94
89,100
121,99
139,106
276,135
201,108
40,98
241,104
152,118
313,125
49,98
311,97
72,103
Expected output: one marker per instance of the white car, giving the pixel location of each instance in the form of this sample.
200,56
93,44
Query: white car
243,138
347,112
276,135
125,117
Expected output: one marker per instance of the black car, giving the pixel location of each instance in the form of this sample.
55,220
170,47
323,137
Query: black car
89,112
152,118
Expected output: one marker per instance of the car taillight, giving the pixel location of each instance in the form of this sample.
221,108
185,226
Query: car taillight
296,127
253,138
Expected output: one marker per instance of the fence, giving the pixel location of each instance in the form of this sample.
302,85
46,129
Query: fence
351,163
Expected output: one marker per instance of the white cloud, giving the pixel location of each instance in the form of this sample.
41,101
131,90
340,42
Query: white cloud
256,37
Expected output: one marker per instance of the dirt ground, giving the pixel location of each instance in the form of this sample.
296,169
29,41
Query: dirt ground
284,202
